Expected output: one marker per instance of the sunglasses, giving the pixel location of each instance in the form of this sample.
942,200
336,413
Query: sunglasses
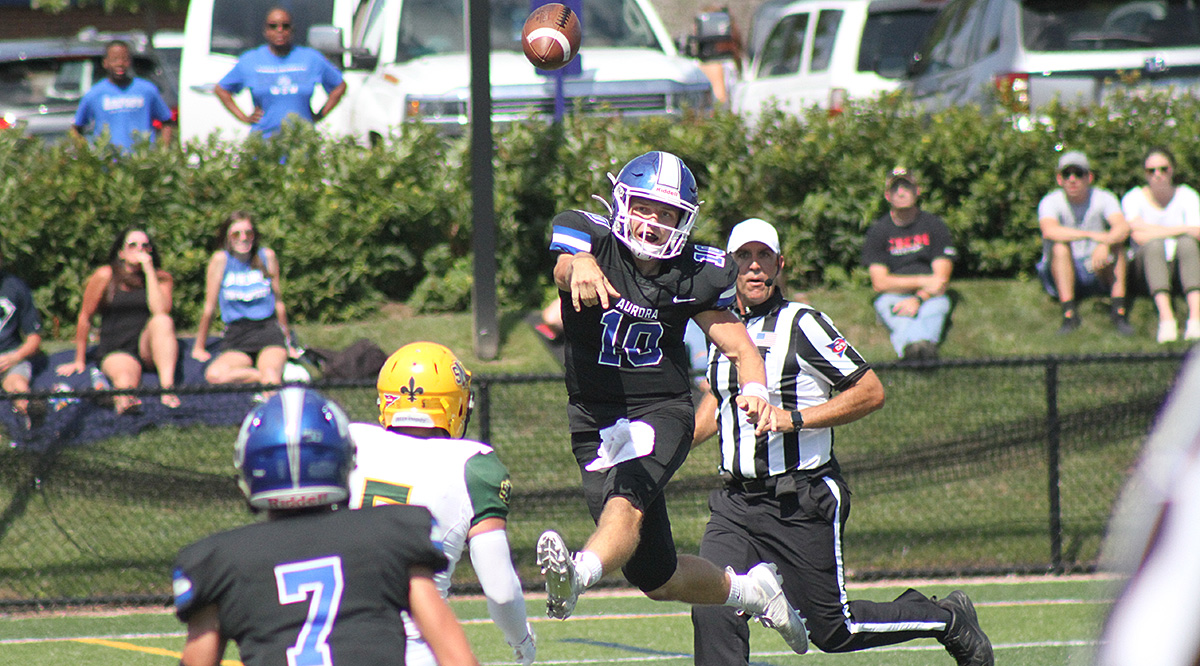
240,233
1074,171
280,26
137,245
1157,169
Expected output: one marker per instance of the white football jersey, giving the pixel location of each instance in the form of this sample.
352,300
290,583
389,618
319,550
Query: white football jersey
460,481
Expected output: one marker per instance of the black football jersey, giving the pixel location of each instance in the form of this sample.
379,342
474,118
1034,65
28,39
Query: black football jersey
323,588
633,352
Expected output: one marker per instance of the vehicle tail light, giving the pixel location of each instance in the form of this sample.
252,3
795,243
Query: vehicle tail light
837,101
1013,89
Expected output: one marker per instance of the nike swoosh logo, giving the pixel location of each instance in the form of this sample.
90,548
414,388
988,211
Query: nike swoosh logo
676,299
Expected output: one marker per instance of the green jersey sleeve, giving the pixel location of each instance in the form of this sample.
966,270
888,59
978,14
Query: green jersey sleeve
488,486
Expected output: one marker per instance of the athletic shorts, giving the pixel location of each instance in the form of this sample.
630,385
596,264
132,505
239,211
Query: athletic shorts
251,336
1087,282
657,439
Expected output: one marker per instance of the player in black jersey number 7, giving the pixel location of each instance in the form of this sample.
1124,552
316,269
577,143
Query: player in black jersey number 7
629,283
316,583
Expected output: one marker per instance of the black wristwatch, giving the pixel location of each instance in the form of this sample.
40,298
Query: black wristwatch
797,420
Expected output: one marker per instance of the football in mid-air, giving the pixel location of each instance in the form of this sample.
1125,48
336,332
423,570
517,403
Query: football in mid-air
551,36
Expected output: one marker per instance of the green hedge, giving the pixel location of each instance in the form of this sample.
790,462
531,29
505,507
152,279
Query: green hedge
355,227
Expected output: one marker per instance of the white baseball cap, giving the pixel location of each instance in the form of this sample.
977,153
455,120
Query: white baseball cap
750,231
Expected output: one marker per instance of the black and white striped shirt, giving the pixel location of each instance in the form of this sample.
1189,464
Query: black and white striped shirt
806,359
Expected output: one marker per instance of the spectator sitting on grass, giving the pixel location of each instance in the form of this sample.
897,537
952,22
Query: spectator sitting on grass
1083,243
20,338
132,295
909,255
243,277
1164,222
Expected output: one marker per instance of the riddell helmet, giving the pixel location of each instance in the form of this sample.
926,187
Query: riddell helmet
294,452
422,385
660,177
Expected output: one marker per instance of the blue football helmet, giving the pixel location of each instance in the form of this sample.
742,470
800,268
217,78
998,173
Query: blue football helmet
294,452
660,177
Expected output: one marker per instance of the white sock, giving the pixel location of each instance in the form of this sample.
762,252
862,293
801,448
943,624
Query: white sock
588,567
735,590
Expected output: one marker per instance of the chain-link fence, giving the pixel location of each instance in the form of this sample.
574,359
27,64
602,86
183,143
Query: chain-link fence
972,467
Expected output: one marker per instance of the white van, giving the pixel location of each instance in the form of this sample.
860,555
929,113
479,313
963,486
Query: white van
216,33
410,61
823,52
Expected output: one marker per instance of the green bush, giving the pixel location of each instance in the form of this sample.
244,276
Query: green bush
355,227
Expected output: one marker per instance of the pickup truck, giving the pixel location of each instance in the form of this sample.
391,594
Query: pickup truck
406,60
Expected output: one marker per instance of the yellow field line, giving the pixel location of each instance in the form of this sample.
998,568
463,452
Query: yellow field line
122,645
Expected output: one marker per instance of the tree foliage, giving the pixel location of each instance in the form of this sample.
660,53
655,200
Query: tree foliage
355,227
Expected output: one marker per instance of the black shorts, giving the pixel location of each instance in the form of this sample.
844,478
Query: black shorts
640,480
251,336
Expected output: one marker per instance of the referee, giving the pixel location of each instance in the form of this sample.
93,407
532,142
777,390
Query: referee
785,500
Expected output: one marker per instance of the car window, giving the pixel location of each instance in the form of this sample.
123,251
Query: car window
237,25
889,39
948,42
992,29
368,26
1093,25
784,47
827,27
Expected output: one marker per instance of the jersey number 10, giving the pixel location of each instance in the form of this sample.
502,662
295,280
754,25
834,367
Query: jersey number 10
638,344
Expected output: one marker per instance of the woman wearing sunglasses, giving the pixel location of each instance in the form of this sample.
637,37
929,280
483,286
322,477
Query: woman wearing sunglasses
132,296
243,279
1165,222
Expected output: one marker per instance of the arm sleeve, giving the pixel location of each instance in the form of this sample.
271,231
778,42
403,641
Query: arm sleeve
234,80
83,115
331,76
572,233
943,240
31,319
493,565
873,251
488,486
158,106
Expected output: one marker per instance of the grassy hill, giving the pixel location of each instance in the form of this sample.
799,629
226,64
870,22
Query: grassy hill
992,318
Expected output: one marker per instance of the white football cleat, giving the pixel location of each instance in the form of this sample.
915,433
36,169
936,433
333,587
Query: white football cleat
562,581
764,600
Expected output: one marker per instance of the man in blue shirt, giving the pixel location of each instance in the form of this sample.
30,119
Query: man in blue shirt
281,78
123,104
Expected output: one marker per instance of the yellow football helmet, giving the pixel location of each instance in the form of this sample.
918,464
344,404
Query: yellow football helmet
422,385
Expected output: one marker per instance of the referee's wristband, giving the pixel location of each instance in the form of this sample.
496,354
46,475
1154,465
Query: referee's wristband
797,419
755,390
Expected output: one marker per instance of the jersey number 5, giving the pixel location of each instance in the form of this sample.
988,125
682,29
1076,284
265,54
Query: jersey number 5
638,344
320,582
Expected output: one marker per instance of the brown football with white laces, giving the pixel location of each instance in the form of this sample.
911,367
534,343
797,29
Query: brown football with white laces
551,36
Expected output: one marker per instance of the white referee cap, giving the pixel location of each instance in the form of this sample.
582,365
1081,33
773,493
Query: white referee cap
753,230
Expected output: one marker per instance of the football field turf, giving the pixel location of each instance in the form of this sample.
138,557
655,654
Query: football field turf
1031,622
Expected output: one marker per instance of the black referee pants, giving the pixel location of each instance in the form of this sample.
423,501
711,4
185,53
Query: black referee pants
801,533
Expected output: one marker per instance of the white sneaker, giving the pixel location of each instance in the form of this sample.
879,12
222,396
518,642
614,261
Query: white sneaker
1192,332
562,581
764,600
1168,331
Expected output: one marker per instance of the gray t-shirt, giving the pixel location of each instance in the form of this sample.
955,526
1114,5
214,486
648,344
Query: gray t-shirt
1090,216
